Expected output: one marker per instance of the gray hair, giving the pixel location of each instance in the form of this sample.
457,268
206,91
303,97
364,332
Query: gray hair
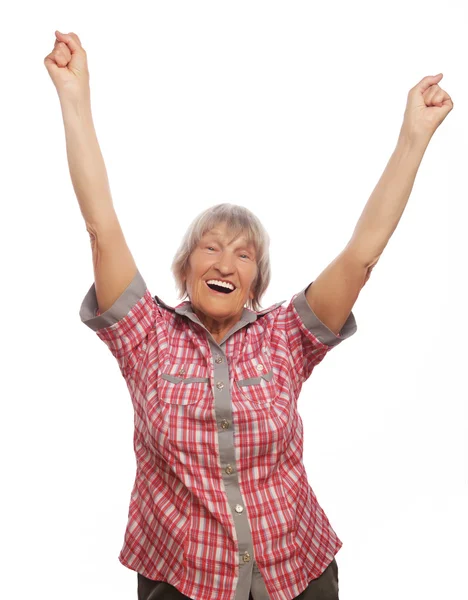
239,220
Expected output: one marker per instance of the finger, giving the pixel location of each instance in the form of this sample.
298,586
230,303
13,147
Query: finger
436,95
430,95
446,100
71,40
61,45
61,51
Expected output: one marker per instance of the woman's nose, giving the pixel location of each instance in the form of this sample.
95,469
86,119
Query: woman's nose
226,263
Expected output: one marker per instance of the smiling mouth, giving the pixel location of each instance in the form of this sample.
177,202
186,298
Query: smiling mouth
221,291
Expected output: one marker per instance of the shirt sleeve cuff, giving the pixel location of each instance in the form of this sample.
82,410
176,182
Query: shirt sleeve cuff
89,311
316,327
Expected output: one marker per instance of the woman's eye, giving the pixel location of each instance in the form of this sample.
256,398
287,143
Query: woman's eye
214,249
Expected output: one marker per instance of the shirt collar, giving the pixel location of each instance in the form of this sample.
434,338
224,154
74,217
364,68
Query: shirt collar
185,309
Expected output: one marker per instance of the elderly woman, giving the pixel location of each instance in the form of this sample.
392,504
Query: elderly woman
221,507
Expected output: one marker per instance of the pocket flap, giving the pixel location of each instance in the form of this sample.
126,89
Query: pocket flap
183,383
253,371
185,373
252,380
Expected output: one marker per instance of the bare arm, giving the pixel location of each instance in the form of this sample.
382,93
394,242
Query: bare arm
113,263
114,267
333,294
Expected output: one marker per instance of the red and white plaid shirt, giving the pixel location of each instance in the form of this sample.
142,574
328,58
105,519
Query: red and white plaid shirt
221,505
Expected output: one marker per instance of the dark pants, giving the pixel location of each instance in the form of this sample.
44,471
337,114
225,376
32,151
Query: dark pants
324,587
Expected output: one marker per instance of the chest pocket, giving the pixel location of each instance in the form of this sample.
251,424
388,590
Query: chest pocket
256,381
183,383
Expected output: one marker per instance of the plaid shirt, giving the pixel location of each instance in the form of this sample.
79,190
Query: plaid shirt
221,504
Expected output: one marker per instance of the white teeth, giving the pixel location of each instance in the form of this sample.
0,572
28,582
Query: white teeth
221,283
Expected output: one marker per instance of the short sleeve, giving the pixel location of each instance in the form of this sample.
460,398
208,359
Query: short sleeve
309,338
126,324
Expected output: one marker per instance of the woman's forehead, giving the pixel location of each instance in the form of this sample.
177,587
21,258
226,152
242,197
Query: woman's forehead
219,232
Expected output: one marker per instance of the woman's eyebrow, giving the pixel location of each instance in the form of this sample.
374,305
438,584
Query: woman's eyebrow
246,245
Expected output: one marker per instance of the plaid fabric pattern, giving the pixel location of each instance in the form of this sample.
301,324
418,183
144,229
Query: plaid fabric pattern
181,525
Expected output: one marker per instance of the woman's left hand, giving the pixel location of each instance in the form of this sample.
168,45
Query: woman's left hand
427,107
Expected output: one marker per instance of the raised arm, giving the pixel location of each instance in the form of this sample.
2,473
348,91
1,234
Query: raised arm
333,294
113,263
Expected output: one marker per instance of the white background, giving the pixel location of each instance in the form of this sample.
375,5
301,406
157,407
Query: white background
293,110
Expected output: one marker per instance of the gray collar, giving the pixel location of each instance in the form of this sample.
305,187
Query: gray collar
185,309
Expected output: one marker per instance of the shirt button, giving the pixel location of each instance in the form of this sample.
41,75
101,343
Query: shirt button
229,469
225,424
220,385
260,367
239,508
218,360
246,557
182,371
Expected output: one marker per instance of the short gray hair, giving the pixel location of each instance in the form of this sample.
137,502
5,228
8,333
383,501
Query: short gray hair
239,220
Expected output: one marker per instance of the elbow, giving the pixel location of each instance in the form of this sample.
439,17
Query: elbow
365,251
91,231
369,270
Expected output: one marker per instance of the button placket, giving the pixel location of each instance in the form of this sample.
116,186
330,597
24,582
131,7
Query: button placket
222,366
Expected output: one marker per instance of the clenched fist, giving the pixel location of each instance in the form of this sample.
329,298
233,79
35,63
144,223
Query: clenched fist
67,65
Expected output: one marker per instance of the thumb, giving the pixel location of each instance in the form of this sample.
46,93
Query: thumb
426,82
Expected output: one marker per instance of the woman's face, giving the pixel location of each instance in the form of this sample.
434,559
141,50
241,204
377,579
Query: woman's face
216,258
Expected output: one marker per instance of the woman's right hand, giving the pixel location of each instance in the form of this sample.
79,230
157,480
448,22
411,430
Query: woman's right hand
67,65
